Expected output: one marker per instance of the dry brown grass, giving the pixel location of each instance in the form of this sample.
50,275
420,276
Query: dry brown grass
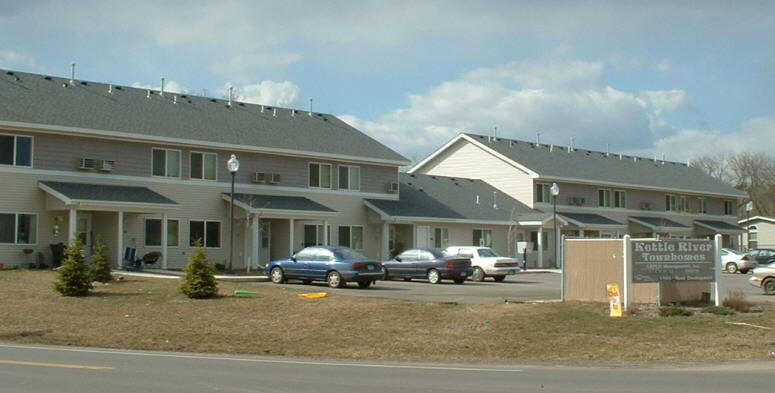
148,313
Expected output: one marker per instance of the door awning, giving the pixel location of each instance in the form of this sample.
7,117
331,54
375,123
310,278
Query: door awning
279,206
660,224
719,226
107,197
589,220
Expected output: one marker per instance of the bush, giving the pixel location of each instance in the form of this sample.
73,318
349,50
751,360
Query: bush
99,270
73,277
674,311
736,301
717,310
199,282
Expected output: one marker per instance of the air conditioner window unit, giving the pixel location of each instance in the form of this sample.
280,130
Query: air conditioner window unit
106,165
87,163
392,187
259,177
275,178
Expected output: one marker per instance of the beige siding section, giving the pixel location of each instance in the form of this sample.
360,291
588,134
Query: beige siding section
463,159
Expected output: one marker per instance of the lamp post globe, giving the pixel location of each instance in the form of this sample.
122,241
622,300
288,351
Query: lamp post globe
555,190
233,166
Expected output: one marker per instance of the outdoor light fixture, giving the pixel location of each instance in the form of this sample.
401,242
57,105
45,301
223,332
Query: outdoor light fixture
233,165
555,190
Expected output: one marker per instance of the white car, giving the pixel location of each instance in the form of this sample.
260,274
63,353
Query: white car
732,261
486,262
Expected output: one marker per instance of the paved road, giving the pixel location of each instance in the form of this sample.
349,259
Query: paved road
524,287
33,369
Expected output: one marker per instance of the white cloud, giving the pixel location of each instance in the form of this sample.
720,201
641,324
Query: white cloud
668,100
17,60
284,94
665,66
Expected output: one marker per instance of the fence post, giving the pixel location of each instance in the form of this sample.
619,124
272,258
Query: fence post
717,271
627,268
563,271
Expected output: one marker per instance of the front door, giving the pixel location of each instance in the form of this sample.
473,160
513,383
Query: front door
266,243
423,236
84,231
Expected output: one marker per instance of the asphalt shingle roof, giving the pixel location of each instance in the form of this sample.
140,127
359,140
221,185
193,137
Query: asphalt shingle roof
280,202
557,162
444,197
108,193
39,99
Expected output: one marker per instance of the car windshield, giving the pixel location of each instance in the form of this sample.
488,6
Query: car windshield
344,253
487,253
439,253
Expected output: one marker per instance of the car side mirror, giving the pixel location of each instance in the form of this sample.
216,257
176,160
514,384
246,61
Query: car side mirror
293,258
398,259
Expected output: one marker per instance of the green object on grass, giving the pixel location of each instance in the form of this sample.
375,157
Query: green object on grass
244,292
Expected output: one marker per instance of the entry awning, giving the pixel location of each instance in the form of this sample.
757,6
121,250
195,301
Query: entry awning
589,220
107,197
660,224
280,206
719,226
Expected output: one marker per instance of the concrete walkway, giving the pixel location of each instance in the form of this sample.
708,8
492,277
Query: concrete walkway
161,273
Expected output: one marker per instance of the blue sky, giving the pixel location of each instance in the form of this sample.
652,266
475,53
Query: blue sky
677,78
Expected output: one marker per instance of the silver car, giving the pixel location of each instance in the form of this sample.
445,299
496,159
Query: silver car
733,261
764,278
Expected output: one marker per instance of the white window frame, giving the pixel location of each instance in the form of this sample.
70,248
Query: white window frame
350,240
202,175
543,190
444,234
145,233
604,198
14,153
320,175
319,234
485,237
166,162
729,208
683,204
671,203
204,239
619,200
16,227
702,206
350,186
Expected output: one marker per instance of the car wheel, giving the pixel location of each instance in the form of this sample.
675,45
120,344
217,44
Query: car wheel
731,267
769,286
334,279
385,275
743,271
460,280
499,278
478,274
364,284
306,282
407,279
277,275
433,276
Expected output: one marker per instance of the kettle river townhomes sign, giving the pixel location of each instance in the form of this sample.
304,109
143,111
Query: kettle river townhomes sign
672,260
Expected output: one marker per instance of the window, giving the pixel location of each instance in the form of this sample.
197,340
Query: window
351,236
16,150
753,239
729,208
319,175
683,204
543,193
671,203
203,166
544,240
349,177
313,235
604,198
166,163
482,237
620,199
18,228
702,206
441,237
153,232
208,231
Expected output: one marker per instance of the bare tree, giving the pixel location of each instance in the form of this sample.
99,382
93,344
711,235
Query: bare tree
753,173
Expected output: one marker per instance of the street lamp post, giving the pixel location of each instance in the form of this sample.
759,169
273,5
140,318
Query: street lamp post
748,208
233,165
555,190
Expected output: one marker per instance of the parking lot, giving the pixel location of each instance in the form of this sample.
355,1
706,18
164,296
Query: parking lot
524,287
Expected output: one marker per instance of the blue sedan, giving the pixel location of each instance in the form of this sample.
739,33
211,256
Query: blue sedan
335,265
431,263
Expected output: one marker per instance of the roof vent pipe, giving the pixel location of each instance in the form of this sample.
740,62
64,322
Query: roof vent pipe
571,148
538,138
110,88
162,87
231,92
175,100
72,73
607,149
663,158
262,109
494,199
310,106
148,93
274,111
620,156
477,199
293,112
551,148
688,163
495,133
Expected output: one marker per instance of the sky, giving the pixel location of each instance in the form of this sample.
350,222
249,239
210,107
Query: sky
678,79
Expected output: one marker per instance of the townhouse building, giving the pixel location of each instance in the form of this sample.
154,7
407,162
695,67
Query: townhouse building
601,195
147,170
759,232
